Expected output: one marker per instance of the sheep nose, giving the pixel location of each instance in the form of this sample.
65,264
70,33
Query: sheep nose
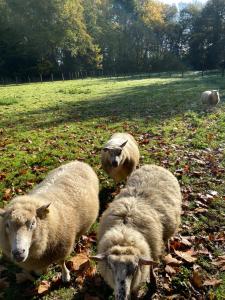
18,254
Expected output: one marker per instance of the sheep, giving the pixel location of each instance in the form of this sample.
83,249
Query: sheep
135,227
40,228
120,156
211,98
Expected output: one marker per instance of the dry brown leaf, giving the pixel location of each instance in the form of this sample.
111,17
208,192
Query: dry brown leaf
185,241
197,279
79,280
169,260
7,194
2,176
75,262
167,287
170,270
220,262
56,278
200,210
212,282
186,255
43,287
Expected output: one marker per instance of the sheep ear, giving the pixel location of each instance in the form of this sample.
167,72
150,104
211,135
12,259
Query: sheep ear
147,262
42,211
98,257
2,212
122,145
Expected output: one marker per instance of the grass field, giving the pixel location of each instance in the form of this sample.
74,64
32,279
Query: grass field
45,125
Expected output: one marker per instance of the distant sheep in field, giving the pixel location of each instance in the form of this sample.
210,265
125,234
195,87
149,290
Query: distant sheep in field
135,227
211,98
120,156
40,228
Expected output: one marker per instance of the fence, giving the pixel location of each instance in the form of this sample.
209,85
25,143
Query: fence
101,74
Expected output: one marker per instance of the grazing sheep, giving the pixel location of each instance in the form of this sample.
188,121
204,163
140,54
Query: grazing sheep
136,226
210,97
40,228
120,156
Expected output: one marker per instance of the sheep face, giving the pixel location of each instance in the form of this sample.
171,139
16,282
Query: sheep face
115,154
20,225
215,93
125,272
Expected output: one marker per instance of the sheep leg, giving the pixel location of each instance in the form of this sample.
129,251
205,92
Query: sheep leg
65,272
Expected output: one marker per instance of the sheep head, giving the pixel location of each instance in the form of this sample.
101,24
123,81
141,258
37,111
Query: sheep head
20,223
115,154
215,96
125,271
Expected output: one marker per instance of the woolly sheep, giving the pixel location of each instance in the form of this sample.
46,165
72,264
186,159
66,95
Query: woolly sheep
135,227
40,228
120,156
210,97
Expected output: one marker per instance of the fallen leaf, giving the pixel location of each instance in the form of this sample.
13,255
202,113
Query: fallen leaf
2,176
75,262
167,287
22,172
213,193
56,278
212,282
220,262
170,270
7,194
197,279
200,210
186,255
79,280
43,287
168,259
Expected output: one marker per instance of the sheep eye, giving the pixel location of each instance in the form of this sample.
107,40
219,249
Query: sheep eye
31,224
118,152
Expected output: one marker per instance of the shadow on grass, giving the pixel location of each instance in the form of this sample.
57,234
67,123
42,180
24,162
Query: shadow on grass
154,101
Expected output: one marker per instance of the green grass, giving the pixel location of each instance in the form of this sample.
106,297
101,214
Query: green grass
45,125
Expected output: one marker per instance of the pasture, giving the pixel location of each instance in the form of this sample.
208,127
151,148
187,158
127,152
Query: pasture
45,125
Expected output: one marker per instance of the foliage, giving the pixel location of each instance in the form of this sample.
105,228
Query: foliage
44,37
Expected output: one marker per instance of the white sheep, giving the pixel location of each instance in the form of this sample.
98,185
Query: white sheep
136,226
210,97
120,156
40,228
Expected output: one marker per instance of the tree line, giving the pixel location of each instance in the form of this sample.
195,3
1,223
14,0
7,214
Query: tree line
39,38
